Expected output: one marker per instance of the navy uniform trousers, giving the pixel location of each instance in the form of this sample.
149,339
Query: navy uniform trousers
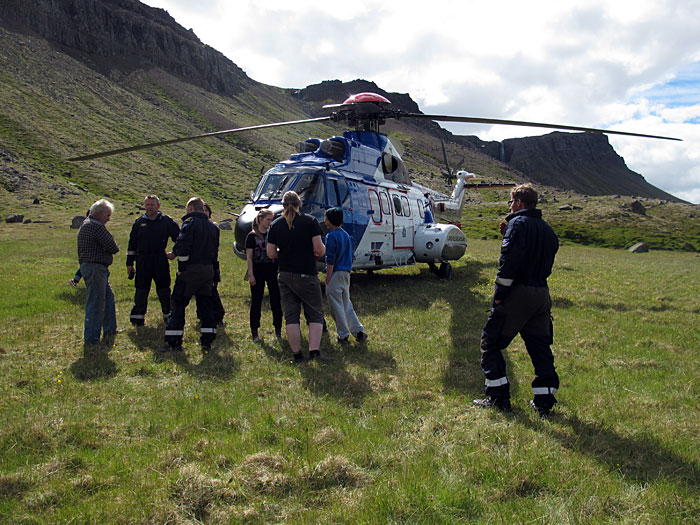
196,280
150,268
525,310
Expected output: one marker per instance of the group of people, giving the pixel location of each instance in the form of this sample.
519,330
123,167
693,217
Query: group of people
282,253
196,246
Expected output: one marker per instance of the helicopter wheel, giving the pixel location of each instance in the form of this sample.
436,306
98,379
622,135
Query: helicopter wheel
445,271
433,269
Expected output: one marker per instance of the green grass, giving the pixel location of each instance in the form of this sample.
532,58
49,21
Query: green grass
383,433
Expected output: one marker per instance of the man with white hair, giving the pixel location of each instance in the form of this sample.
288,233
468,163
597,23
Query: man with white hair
96,249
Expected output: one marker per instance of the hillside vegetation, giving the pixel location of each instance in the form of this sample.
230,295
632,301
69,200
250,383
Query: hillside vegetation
55,107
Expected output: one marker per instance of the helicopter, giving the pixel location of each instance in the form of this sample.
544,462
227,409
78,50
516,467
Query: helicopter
391,220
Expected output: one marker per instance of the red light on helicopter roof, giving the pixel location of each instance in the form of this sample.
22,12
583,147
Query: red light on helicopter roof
366,97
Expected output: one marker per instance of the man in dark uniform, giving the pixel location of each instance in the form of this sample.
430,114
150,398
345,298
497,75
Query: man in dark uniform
196,248
147,242
521,304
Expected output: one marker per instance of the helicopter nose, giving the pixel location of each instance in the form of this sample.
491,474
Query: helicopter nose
244,224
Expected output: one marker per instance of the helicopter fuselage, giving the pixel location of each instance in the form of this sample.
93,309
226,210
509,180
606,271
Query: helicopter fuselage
388,218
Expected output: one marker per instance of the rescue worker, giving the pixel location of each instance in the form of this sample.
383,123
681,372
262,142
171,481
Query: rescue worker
521,304
217,305
147,242
196,248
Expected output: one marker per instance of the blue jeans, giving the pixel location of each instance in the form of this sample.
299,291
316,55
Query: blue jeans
100,311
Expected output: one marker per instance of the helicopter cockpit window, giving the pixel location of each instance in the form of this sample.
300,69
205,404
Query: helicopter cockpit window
397,205
338,194
311,188
273,186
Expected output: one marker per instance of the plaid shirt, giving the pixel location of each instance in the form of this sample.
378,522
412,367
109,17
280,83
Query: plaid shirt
95,243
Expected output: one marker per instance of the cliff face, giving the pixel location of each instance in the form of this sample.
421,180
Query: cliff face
125,35
584,162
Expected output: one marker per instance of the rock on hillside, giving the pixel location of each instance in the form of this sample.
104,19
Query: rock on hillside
125,35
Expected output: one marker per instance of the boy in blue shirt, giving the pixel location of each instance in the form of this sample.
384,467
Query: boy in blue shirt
338,266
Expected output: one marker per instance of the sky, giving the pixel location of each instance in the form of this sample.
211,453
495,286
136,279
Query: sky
624,65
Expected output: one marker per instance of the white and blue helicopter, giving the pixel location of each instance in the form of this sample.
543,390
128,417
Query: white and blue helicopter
392,221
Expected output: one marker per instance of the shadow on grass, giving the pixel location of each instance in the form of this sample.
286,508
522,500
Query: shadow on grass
73,296
94,364
332,378
469,314
214,364
641,458
144,336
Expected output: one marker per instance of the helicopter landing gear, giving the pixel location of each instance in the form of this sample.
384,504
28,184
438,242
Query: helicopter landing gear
445,271
433,269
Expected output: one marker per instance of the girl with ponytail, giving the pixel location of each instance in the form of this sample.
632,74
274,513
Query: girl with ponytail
261,270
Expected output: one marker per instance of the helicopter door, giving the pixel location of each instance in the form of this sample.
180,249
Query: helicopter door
311,188
403,220
379,226
339,197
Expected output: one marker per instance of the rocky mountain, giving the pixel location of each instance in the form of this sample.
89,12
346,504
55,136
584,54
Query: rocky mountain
124,35
89,75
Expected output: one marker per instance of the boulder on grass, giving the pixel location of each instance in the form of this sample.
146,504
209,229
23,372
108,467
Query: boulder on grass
14,217
640,247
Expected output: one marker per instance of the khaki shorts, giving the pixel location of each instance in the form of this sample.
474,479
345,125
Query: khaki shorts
297,289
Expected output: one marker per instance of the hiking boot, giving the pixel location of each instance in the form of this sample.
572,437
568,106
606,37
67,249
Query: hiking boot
298,357
316,354
543,413
501,404
361,337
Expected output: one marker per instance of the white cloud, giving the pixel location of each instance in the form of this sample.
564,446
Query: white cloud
628,64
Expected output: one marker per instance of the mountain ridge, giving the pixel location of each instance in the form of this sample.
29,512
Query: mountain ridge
142,51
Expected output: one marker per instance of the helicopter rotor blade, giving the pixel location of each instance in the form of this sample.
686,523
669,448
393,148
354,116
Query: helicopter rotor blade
192,137
478,120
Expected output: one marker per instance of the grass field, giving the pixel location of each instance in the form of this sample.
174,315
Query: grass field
384,433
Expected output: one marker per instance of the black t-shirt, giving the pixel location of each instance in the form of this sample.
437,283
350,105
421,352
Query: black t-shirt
296,251
259,247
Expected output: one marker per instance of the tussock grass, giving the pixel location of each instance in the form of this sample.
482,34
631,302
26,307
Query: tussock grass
384,433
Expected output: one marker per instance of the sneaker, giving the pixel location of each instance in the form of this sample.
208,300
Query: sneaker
257,339
543,413
73,283
343,340
361,337
500,404
298,357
